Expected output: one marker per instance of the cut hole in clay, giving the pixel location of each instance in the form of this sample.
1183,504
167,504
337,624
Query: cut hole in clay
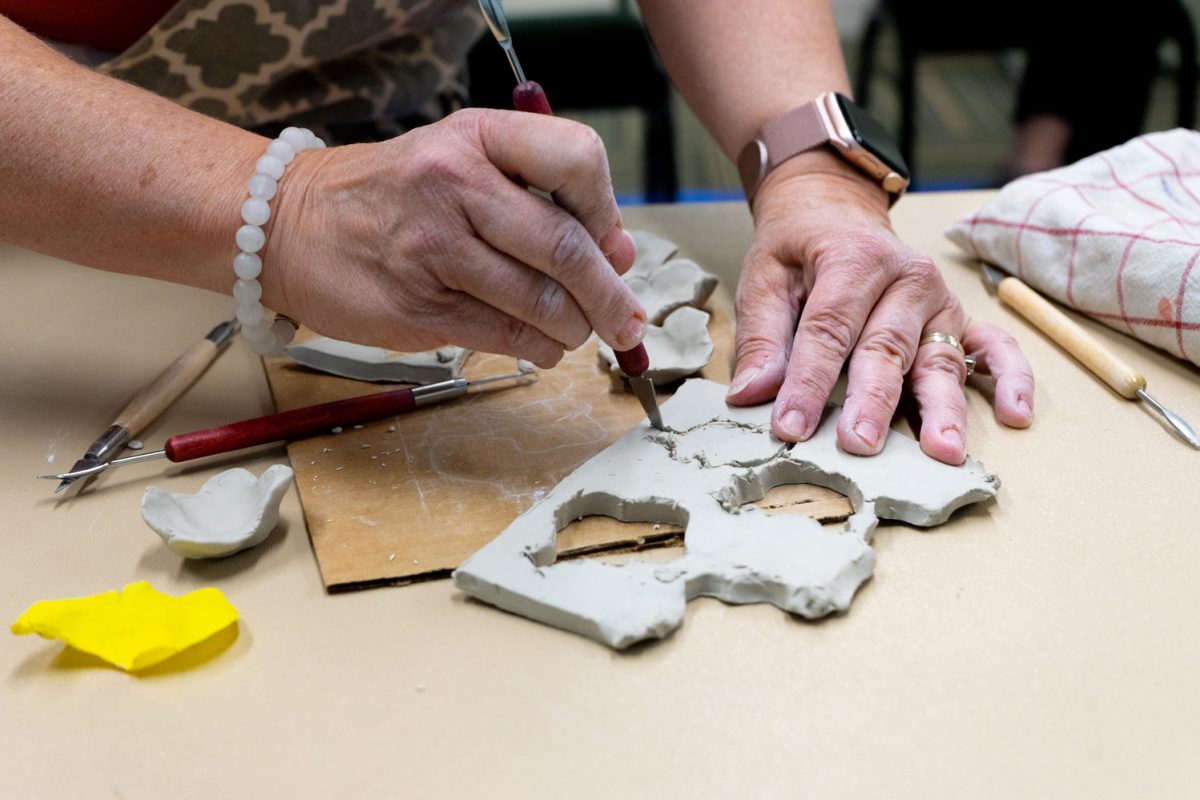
598,535
364,363
232,511
706,472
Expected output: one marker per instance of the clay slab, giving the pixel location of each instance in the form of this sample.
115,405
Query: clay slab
364,363
680,347
663,284
704,473
233,511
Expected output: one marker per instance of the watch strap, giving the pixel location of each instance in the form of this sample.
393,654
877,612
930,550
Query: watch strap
791,134
781,138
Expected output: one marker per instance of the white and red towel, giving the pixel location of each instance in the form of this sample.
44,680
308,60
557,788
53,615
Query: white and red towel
1115,236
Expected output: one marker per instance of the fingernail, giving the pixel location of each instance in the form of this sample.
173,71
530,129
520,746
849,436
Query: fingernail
793,424
868,433
952,436
743,380
633,332
1024,407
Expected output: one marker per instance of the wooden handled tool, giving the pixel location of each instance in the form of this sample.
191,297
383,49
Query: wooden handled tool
1065,332
152,400
296,423
529,96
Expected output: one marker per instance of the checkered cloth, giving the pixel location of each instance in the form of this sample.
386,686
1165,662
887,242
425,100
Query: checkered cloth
1115,236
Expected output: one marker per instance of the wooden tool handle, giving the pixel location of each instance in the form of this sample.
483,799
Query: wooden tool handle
288,425
153,399
1072,338
633,362
529,96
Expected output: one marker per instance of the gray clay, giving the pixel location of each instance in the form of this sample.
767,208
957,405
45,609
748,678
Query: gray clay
678,348
233,511
704,473
663,284
365,363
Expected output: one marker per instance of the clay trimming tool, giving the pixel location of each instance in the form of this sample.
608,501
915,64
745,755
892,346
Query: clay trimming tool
529,96
150,401
297,423
1062,330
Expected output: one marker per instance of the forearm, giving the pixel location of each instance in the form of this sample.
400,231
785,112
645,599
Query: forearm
738,64
104,174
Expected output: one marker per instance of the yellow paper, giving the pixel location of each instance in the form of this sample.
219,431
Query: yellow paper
134,628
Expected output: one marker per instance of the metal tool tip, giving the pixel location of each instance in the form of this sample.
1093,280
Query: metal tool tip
992,276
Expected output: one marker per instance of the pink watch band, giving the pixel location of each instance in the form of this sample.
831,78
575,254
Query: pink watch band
781,138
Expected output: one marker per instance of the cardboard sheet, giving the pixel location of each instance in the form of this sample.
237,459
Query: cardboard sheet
409,497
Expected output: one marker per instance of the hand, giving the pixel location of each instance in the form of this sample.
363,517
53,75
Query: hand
824,255
432,239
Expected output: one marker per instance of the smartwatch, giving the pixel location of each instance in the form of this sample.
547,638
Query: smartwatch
831,119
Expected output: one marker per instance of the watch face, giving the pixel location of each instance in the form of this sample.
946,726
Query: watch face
872,135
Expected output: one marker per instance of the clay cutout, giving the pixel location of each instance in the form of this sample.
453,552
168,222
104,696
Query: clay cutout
364,363
678,348
663,284
232,511
704,473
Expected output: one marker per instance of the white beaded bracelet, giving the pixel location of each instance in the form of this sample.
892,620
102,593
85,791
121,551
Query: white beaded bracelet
266,334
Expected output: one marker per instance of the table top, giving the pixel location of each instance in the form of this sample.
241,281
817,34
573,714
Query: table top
1044,644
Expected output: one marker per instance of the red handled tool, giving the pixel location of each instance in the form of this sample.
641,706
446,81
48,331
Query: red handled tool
529,96
297,423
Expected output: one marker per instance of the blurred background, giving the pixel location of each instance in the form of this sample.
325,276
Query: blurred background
947,90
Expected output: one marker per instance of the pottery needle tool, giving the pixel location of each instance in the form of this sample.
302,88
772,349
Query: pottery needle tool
150,401
529,96
1062,330
299,422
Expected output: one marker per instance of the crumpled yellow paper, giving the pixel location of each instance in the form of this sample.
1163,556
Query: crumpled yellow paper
134,628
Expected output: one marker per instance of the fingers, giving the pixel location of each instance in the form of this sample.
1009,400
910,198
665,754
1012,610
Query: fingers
885,353
938,374
830,324
479,326
566,159
997,354
523,293
535,232
769,297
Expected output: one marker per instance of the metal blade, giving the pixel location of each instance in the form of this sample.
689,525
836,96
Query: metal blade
493,12
103,465
85,463
644,389
1178,423
992,276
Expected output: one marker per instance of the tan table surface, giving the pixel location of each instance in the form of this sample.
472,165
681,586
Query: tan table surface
1045,645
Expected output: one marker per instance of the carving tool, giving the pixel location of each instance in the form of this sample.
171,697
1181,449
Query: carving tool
1062,330
297,423
529,96
152,400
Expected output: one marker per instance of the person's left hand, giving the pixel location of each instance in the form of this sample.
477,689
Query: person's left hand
827,280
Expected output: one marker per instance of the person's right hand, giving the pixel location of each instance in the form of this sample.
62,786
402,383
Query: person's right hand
432,239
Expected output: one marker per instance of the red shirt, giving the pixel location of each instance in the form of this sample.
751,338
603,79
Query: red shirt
111,25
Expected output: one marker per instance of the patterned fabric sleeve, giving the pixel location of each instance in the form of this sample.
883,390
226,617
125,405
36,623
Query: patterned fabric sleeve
352,70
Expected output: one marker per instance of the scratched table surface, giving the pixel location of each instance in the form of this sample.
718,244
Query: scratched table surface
1043,645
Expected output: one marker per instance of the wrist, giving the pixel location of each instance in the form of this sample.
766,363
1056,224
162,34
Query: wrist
287,233
826,176
264,329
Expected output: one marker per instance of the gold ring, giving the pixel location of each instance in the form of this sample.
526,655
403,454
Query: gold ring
952,340
944,338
